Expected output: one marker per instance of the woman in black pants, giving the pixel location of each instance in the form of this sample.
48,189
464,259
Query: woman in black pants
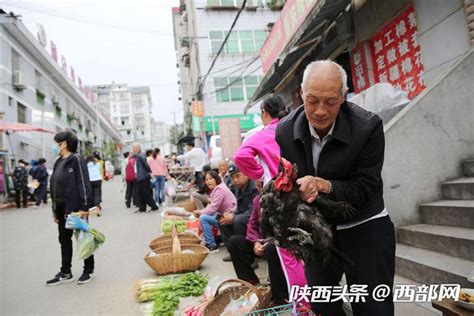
95,177
70,192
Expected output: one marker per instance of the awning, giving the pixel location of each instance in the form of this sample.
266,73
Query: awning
309,36
20,127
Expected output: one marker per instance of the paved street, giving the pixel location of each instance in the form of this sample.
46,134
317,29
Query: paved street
29,255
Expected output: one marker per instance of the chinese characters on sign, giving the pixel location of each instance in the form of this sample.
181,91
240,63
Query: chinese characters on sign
396,54
197,108
359,71
230,136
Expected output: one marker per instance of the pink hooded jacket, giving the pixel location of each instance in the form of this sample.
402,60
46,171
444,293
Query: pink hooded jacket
263,145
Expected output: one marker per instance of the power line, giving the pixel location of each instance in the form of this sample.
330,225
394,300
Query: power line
244,2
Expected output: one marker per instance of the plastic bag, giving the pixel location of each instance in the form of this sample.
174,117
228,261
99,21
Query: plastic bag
75,222
170,188
86,244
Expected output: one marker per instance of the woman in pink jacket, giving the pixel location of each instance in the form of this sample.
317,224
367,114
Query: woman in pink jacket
257,159
222,200
256,156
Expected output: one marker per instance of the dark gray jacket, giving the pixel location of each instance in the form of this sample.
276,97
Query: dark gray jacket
143,169
352,159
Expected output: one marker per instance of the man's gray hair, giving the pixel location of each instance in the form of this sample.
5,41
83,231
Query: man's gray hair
309,68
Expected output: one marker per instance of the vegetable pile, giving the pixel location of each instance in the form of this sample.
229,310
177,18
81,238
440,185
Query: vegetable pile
167,291
167,225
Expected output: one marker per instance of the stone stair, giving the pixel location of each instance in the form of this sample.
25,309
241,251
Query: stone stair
441,248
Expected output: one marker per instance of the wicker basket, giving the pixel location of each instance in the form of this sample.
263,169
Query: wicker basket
188,205
222,297
173,260
167,240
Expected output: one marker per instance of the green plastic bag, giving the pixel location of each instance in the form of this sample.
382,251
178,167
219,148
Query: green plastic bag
86,245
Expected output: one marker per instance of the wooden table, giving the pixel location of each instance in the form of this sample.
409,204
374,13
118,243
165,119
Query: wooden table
449,308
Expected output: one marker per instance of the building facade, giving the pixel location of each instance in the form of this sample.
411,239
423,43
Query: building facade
36,91
200,29
129,109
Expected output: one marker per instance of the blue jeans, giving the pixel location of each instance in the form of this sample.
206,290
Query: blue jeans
159,186
206,222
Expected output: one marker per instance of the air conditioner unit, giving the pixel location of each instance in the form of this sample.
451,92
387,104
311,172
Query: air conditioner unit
18,81
55,100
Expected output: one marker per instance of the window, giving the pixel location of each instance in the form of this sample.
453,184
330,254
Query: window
231,89
39,84
124,109
239,42
40,99
21,111
16,61
224,3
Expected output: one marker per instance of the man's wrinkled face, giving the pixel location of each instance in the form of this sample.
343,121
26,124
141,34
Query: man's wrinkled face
239,180
322,97
223,167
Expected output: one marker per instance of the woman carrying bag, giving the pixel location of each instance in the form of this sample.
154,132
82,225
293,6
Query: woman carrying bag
70,192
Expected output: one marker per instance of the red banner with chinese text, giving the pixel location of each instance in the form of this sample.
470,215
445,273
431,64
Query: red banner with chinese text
359,70
396,54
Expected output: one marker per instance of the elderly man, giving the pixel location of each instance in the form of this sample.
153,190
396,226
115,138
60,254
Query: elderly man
339,150
143,176
224,172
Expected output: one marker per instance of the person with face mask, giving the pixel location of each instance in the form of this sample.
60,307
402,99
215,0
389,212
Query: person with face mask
70,192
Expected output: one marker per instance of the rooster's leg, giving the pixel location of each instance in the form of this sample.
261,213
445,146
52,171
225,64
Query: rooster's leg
302,236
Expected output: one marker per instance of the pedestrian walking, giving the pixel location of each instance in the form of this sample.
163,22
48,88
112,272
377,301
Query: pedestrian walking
143,174
71,192
130,180
40,174
95,178
159,170
20,183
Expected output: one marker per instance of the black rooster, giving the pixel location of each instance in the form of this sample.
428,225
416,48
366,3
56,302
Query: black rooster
296,226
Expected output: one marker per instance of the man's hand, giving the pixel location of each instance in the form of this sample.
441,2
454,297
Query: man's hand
83,214
311,186
55,219
197,213
258,248
227,219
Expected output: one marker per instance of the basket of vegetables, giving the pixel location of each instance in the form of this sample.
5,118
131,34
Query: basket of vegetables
168,224
237,299
167,240
176,258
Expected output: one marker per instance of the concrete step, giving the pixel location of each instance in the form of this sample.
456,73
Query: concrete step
449,213
429,267
468,167
450,240
460,189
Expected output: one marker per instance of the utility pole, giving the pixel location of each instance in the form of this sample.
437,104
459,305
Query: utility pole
175,136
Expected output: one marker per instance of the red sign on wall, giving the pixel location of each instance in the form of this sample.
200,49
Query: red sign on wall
396,54
360,75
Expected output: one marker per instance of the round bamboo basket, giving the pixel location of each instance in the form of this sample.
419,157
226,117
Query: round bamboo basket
167,240
174,259
223,296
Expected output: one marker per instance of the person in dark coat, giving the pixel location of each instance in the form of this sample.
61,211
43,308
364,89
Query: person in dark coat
235,223
41,175
338,148
143,192
70,192
20,183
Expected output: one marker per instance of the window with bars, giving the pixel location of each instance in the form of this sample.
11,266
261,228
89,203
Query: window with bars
239,42
233,89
